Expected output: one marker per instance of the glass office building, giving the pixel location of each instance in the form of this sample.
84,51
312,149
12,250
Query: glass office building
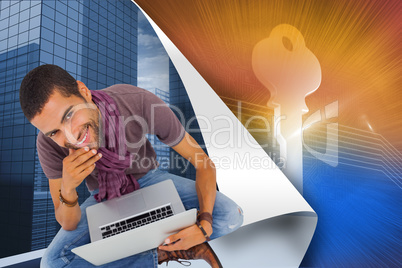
96,42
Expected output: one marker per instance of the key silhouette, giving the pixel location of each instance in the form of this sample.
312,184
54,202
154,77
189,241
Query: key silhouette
290,71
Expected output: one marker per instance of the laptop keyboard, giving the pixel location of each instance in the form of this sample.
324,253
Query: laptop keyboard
136,221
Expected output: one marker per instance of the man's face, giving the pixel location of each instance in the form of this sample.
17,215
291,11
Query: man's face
72,122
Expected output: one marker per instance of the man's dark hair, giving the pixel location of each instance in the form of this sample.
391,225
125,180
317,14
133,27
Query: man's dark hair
40,83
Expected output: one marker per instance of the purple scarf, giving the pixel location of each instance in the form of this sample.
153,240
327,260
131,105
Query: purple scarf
113,182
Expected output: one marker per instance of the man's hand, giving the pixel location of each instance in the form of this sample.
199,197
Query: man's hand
76,167
187,238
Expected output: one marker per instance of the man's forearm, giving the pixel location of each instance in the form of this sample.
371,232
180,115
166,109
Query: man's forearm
76,167
68,217
206,189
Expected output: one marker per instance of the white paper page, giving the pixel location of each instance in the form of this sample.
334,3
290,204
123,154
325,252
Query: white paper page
278,222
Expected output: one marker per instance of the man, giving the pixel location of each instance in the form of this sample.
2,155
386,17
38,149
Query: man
99,137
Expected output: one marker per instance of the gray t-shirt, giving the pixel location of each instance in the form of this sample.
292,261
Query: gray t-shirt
143,112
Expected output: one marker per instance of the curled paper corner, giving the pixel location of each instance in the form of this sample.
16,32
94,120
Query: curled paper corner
278,223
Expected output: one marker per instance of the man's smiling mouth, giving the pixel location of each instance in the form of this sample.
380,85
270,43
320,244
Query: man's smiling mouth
84,138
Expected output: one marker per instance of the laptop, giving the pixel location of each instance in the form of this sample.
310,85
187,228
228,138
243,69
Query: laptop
134,223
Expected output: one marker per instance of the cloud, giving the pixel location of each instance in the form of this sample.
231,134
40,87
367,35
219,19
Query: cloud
148,40
147,79
153,71
160,81
145,61
144,79
153,61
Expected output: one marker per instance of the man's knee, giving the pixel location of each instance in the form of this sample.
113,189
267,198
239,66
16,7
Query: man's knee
228,218
234,218
56,257
46,262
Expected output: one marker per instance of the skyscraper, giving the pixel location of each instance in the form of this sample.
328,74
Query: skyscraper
96,42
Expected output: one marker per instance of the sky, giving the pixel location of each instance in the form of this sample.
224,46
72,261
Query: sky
153,61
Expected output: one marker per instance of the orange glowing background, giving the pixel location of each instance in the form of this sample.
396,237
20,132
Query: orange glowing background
358,44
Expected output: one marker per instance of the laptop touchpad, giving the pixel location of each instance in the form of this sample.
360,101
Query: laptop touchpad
131,204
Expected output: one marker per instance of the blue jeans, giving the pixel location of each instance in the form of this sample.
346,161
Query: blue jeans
227,217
